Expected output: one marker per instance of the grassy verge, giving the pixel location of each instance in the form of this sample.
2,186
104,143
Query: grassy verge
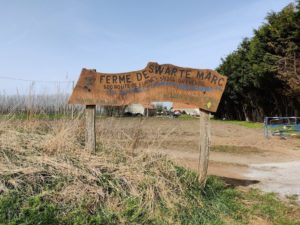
215,204
187,117
243,123
46,177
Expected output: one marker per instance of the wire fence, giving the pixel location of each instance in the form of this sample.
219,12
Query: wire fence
31,98
25,96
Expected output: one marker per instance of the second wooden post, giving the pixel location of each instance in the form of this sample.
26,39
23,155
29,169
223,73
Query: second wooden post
90,128
204,142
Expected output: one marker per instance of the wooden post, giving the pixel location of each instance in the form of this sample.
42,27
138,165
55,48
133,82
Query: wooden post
90,131
72,113
204,143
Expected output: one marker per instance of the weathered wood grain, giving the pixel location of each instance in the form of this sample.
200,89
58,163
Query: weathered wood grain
192,87
204,146
90,132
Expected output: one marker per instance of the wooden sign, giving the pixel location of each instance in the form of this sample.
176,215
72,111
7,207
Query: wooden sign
192,87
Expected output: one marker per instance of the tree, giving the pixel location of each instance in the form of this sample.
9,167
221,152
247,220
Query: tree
264,72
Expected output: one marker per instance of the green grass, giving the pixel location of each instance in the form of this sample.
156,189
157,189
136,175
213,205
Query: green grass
215,204
243,123
187,117
273,210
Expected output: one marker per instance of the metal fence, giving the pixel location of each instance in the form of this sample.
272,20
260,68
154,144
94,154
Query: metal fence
282,126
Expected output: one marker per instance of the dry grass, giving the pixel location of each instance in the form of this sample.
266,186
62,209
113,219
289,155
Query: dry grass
45,165
34,153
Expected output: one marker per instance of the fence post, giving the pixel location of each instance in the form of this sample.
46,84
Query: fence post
204,142
90,128
72,112
266,130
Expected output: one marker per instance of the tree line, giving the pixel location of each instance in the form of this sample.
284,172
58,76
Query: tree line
264,71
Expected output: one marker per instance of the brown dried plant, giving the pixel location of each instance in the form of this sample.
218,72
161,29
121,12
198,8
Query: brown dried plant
36,153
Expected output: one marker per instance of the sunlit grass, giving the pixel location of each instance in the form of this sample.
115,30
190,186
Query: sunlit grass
243,123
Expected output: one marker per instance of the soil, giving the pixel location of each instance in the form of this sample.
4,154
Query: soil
241,156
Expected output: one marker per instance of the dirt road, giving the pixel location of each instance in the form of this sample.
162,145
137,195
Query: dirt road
243,156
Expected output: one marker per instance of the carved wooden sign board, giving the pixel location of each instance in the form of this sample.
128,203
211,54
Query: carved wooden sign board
194,88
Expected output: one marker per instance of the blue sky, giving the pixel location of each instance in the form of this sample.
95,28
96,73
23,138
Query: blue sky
54,40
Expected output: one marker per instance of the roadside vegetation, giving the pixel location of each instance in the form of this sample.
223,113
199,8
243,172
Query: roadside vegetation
247,124
46,177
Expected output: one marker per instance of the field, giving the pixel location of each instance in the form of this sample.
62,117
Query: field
144,171
239,150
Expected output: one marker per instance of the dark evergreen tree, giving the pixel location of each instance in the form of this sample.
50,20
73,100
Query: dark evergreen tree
264,72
